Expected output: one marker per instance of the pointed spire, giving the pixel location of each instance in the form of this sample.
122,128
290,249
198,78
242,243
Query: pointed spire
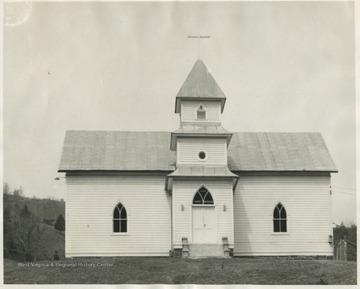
199,84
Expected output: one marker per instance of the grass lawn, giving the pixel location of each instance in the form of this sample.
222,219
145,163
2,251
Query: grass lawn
142,270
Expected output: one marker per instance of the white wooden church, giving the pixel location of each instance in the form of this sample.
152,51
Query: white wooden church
199,190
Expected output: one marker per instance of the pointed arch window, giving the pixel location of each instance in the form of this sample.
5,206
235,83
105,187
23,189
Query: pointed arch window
203,197
280,219
201,112
119,219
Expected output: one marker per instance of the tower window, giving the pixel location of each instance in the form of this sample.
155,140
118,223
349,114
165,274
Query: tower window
279,219
201,112
202,155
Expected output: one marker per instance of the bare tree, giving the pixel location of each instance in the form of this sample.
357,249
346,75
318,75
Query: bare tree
6,188
27,234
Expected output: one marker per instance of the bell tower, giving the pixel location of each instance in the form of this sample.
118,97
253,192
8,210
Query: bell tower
201,167
199,87
200,102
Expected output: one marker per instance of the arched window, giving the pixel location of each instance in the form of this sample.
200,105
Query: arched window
119,219
279,216
203,197
201,112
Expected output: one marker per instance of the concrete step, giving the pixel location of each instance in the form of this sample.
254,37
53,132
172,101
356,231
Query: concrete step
205,250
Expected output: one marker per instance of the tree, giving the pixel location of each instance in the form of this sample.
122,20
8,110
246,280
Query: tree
6,188
27,234
19,192
60,223
8,228
9,215
349,232
25,213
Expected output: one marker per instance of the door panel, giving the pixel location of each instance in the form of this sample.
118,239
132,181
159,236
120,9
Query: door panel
204,225
209,225
198,225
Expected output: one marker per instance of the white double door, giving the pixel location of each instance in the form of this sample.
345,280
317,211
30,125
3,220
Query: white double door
204,224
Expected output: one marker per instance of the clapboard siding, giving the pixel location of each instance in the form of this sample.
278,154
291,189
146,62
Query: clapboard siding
89,207
189,110
307,202
188,151
183,193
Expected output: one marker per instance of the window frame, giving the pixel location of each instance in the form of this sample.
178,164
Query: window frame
201,108
113,219
200,159
280,219
203,198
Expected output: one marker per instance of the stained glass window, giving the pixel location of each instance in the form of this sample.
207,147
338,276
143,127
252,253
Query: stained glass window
203,197
279,219
119,219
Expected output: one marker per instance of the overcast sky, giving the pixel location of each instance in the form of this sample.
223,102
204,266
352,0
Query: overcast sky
284,67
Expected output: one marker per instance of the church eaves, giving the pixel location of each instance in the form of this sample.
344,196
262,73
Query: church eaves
201,85
149,151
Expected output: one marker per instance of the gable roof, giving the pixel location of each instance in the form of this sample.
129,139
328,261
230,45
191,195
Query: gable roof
150,151
279,152
200,85
116,150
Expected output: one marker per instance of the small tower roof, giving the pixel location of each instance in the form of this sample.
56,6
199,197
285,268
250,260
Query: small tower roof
199,85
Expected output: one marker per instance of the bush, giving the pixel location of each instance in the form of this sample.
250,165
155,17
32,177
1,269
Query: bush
60,223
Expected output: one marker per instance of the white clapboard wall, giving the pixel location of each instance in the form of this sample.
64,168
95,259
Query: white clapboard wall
307,201
89,211
188,151
189,110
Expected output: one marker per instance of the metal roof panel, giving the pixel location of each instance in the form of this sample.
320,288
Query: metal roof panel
106,150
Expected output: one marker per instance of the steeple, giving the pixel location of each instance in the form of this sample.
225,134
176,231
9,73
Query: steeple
200,142
200,103
199,85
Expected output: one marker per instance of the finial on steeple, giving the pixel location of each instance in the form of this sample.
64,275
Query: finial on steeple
198,38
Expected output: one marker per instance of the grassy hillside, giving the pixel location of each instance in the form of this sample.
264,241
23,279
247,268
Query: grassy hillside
43,208
147,270
52,241
29,231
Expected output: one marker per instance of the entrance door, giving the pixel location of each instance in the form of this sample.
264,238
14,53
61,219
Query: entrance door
204,225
